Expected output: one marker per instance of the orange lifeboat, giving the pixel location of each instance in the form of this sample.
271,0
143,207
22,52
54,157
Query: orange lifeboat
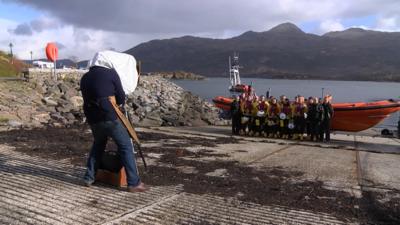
360,116
223,102
351,117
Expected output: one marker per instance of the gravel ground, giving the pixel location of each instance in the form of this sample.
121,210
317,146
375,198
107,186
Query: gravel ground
172,165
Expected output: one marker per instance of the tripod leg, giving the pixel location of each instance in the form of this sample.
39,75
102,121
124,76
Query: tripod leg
134,158
139,149
142,156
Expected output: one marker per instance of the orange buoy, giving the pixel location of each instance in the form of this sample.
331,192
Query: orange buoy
52,52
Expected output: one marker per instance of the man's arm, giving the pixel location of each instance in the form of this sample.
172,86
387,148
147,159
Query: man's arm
119,91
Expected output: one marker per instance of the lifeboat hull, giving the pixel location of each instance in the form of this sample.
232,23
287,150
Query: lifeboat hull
356,117
223,102
352,117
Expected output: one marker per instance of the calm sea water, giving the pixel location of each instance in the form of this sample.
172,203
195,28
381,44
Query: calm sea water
342,91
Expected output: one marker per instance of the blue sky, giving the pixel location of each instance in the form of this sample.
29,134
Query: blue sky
313,26
85,27
17,12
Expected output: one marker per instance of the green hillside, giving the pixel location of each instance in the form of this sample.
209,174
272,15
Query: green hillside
6,68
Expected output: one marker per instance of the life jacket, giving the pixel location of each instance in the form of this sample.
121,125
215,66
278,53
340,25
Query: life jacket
287,110
320,112
248,106
328,110
235,107
262,106
300,109
312,112
273,110
242,105
254,108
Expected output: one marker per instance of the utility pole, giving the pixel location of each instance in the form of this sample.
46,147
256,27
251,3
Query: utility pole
11,52
31,56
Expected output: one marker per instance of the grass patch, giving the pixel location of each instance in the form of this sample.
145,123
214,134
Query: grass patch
8,69
4,119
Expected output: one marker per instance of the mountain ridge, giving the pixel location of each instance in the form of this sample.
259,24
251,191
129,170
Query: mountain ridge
284,51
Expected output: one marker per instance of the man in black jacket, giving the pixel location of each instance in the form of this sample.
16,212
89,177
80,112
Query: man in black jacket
96,86
319,118
326,122
235,112
311,118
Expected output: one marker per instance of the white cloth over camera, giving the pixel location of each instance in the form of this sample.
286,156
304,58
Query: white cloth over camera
124,65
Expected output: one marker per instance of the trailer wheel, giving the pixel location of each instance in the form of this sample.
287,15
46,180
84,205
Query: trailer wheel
385,132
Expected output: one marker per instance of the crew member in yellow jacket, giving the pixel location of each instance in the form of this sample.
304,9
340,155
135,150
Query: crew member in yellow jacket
273,111
300,116
255,122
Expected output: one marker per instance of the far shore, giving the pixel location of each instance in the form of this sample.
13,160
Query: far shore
297,78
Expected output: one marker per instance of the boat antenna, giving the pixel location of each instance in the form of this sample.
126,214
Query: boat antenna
230,71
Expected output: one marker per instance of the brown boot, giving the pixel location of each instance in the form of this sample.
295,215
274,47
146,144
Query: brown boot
139,188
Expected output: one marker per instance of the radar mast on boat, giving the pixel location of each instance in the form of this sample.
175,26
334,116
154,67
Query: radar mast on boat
234,70
234,75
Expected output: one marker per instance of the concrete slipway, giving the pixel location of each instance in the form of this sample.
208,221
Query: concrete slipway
34,190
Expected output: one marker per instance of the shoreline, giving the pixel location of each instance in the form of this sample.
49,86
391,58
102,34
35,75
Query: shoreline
311,79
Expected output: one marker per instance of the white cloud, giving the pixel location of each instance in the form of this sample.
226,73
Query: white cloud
330,25
85,27
388,23
82,43
193,16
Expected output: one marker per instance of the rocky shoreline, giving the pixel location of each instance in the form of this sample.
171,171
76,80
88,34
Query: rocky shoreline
156,102
179,75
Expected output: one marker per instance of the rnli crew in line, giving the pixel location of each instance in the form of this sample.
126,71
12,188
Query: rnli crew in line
246,119
300,113
310,101
312,120
242,112
235,113
281,102
286,112
262,113
273,121
255,121
267,123
320,114
326,123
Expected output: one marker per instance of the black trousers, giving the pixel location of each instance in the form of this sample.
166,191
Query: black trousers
284,127
236,123
325,129
314,128
300,124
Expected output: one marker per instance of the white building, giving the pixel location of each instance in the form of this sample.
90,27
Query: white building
43,64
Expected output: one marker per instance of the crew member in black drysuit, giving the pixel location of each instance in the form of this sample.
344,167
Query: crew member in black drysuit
312,119
326,122
319,119
310,101
235,112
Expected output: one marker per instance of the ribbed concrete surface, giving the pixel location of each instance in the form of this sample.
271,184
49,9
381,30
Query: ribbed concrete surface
206,209
38,191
